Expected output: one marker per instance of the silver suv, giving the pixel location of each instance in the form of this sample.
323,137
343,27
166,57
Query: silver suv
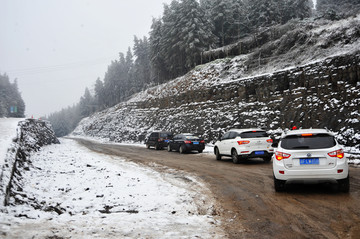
241,144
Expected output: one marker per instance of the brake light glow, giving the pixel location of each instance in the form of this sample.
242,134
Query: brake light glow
306,135
187,142
269,141
243,142
202,141
280,155
337,153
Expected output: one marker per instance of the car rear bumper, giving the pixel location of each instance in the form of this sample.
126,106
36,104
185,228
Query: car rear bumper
190,147
256,154
340,171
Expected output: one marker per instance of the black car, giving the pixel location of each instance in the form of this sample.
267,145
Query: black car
158,140
186,143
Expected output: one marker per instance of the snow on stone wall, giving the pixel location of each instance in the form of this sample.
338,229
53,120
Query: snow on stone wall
31,136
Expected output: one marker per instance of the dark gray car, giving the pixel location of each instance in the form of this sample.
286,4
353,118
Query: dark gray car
158,140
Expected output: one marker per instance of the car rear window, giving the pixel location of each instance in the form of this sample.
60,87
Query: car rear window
191,137
165,135
316,141
254,134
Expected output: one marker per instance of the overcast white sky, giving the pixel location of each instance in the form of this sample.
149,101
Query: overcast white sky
57,48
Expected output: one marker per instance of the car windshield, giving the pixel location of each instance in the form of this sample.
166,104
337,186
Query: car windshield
165,135
254,134
316,141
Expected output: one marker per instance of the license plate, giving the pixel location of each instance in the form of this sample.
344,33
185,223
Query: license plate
166,140
259,152
195,142
307,161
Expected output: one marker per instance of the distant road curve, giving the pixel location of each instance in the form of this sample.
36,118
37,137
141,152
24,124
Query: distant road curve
250,206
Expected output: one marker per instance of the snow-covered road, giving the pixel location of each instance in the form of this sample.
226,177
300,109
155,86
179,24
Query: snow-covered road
83,194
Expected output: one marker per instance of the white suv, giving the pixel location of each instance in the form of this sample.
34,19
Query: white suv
241,144
310,155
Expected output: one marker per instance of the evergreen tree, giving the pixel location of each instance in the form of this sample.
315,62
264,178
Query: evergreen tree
86,104
222,15
100,94
158,73
334,9
11,102
112,83
169,42
142,63
228,18
196,35
299,9
185,33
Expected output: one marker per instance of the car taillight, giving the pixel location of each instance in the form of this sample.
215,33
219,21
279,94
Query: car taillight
337,153
243,142
269,141
280,155
187,142
202,141
159,140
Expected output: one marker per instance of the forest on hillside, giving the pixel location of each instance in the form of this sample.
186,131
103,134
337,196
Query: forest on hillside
11,102
178,40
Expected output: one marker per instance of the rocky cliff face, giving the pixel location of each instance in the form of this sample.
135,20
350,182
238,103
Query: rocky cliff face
212,99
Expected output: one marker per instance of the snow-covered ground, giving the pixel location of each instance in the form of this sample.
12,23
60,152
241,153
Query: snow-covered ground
7,133
89,195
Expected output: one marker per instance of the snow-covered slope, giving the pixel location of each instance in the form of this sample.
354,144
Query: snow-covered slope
314,83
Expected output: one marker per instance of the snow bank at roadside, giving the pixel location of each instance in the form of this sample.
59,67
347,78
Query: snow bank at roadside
7,133
31,135
70,191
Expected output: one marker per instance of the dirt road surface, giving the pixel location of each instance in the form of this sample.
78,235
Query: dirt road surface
248,204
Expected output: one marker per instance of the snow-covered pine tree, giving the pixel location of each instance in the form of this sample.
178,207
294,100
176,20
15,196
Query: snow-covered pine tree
335,9
158,73
196,33
142,63
99,95
11,102
296,9
86,104
221,13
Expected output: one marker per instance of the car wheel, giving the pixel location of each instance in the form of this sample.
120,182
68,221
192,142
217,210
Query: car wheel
235,157
148,146
157,147
279,185
169,148
200,151
267,159
217,153
344,185
182,149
